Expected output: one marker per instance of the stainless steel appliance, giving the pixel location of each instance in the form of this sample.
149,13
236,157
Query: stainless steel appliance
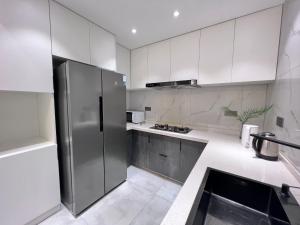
91,132
174,84
135,116
166,127
264,148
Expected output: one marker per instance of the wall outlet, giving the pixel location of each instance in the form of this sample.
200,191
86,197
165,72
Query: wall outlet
147,108
279,121
231,113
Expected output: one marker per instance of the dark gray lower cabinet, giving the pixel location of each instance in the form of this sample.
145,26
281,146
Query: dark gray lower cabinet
190,152
168,156
139,149
164,155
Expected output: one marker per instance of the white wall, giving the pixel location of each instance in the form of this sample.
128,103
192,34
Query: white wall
18,116
199,108
123,63
285,92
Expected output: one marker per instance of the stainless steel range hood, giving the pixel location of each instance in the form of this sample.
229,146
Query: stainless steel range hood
175,84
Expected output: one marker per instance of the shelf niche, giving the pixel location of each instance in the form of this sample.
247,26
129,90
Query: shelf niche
27,119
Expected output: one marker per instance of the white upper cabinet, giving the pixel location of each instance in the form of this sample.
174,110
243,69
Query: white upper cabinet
25,46
139,67
216,51
159,62
103,48
123,63
185,56
70,34
256,46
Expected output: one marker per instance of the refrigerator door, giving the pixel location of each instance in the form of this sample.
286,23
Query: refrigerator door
114,117
86,134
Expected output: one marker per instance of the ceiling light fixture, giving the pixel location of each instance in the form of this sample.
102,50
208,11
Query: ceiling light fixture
133,31
176,13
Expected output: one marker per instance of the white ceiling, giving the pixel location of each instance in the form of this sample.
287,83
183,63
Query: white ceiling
154,20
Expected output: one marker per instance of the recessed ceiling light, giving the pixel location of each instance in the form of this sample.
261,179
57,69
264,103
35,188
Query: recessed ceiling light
176,13
133,30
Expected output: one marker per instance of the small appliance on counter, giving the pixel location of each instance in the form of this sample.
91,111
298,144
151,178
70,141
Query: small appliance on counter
135,116
265,149
247,130
266,145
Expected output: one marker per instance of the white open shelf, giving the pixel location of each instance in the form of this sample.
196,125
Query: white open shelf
22,146
27,122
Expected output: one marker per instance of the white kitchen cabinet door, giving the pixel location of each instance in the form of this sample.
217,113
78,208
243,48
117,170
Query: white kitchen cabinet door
139,67
216,51
185,56
29,184
256,46
123,63
103,48
70,34
159,62
25,46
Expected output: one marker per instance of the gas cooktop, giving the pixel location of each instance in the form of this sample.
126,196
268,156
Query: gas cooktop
166,127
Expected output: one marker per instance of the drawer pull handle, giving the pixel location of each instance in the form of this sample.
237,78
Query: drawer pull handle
163,155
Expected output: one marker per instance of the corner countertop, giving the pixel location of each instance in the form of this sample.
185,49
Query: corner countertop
222,152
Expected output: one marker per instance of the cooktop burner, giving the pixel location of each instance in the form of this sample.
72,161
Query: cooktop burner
166,127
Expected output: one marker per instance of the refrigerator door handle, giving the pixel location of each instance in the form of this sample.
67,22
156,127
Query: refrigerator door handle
101,113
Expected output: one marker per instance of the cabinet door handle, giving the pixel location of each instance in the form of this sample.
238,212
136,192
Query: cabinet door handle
163,155
180,145
101,113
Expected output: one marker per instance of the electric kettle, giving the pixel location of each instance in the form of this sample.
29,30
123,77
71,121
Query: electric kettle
265,149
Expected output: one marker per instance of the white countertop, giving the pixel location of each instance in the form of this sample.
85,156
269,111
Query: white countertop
226,153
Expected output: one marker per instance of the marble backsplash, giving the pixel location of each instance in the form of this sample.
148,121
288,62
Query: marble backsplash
200,108
284,93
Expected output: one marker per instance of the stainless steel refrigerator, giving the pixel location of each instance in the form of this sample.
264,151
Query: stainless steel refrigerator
90,105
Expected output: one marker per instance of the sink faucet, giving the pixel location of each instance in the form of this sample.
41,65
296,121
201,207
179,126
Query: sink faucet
285,188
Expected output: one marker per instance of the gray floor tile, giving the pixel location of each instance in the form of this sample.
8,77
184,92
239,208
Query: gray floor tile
143,199
62,217
153,213
169,190
147,181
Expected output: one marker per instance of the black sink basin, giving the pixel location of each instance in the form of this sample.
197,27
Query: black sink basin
225,198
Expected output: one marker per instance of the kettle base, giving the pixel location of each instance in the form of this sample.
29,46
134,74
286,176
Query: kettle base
270,158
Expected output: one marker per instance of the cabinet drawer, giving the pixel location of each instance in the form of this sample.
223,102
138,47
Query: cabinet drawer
168,146
165,165
164,155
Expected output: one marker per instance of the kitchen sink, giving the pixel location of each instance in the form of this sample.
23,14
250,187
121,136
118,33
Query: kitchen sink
225,198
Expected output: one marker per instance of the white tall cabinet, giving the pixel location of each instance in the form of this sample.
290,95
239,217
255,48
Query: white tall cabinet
76,38
256,46
123,63
139,67
25,46
159,65
103,48
185,56
216,50
70,34
29,178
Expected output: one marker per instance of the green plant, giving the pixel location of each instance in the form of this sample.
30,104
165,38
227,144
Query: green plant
249,113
